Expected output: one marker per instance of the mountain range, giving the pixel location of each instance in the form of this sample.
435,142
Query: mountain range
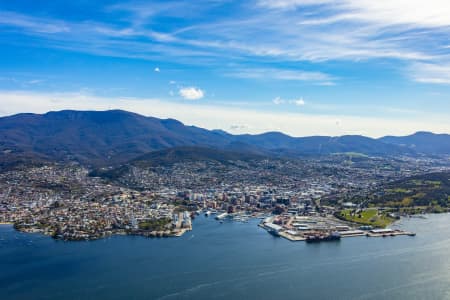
116,136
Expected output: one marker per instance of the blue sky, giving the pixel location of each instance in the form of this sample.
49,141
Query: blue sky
299,66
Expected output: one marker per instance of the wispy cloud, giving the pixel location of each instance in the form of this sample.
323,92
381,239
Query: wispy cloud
430,73
278,101
276,30
33,24
283,74
288,4
238,128
433,13
35,81
298,102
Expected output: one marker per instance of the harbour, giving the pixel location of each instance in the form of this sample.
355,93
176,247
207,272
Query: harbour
229,260
323,228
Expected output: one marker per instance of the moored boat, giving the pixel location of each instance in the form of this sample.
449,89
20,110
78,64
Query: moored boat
334,236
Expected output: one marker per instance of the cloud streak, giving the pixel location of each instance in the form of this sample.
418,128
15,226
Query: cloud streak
297,102
430,73
278,30
284,74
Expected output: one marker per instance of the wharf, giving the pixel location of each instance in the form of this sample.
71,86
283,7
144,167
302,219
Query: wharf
292,238
394,233
352,233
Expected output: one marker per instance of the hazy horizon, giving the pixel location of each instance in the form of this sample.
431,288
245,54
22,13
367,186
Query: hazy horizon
212,129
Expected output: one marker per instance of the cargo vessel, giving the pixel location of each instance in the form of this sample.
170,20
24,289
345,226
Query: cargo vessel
334,236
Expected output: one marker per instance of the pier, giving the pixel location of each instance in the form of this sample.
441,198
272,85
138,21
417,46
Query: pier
303,235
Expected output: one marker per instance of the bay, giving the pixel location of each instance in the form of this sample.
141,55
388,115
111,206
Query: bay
229,260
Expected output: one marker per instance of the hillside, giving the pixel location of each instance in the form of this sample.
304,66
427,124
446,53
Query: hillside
431,191
171,156
422,142
191,154
114,137
97,137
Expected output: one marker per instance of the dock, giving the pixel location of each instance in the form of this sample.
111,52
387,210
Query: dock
291,237
295,236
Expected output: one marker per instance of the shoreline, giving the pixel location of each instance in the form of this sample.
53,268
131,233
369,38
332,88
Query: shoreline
150,234
181,232
295,235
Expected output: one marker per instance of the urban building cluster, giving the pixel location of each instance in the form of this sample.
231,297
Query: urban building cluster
64,201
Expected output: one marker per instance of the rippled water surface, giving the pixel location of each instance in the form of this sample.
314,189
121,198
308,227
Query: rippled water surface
229,261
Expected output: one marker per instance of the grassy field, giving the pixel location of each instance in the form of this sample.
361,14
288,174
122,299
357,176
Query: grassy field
369,216
157,224
428,191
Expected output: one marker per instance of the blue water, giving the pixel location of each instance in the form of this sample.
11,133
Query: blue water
229,261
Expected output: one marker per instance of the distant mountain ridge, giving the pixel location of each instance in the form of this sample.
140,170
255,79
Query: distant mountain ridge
115,136
97,137
422,142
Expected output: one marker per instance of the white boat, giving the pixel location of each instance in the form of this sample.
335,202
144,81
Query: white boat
221,216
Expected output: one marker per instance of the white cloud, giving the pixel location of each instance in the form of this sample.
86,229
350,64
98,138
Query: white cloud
400,29
286,4
430,73
432,13
238,128
278,101
33,24
283,74
368,33
278,30
35,81
213,117
298,102
157,70
408,30
191,93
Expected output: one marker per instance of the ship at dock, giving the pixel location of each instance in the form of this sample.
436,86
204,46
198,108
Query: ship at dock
274,232
334,236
